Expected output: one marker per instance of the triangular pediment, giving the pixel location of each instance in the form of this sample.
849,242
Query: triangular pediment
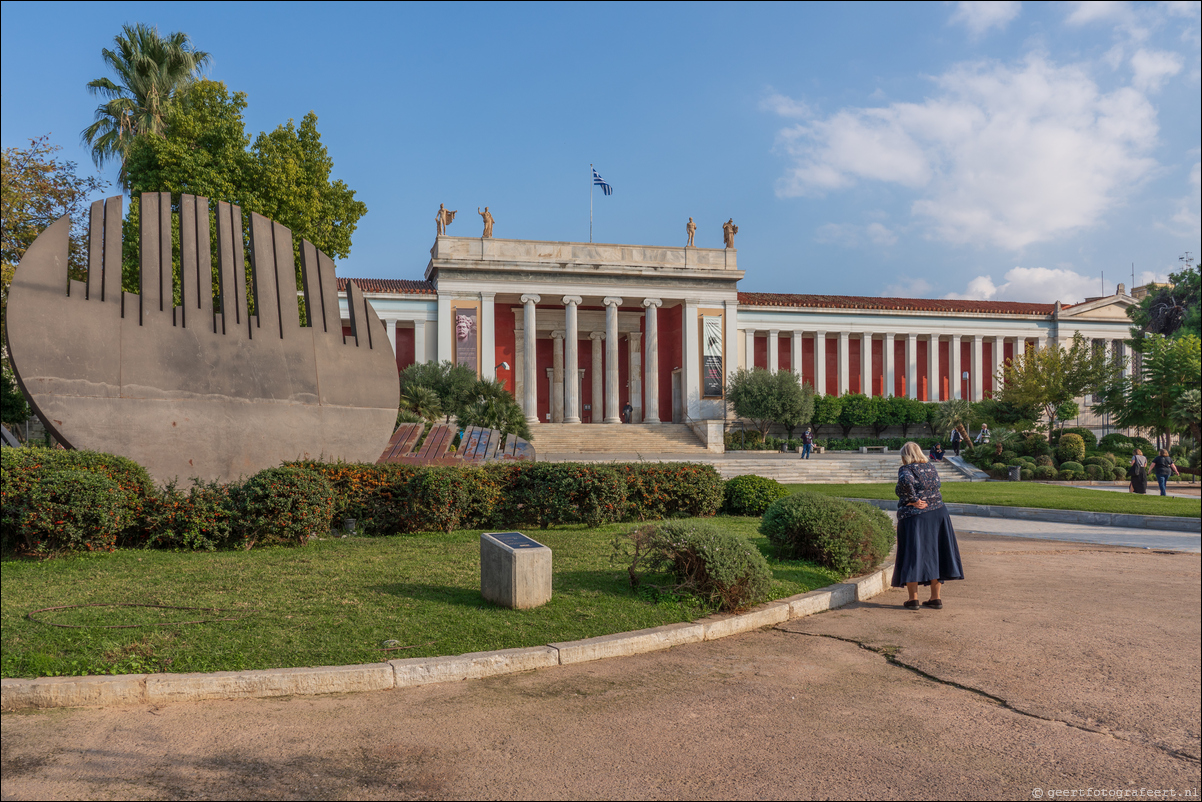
1112,307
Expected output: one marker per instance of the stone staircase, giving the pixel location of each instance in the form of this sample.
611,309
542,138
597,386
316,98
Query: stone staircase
567,442
667,442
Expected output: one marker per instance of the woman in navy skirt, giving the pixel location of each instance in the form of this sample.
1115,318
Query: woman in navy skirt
926,543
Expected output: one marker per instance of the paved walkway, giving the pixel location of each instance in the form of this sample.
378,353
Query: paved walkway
1055,665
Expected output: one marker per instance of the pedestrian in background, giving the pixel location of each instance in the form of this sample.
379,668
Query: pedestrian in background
807,443
1163,468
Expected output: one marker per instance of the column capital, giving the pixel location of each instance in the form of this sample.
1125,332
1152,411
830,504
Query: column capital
572,299
820,334
634,336
774,332
912,336
977,338
558,335
487,296
531,298
844,335
649,302
596,335
612,300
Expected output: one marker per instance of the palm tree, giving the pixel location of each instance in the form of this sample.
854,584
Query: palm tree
150,71
955,413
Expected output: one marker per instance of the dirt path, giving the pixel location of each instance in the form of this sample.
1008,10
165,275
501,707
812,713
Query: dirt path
1055,666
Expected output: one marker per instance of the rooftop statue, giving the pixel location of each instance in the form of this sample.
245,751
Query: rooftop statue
729,229
444,218
488,221
222,386
690,229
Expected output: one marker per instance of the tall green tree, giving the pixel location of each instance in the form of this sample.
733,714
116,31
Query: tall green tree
753,395
1048,378
1147,400
795,401
149,69
1170,310
857,409
826,410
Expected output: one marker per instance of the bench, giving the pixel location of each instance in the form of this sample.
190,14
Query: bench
882,449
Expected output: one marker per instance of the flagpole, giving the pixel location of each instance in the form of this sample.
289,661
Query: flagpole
590,203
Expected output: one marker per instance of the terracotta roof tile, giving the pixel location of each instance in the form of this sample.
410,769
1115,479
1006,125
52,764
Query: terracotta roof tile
401,286
894,304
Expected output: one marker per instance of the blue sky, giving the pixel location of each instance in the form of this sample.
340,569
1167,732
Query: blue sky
1008,151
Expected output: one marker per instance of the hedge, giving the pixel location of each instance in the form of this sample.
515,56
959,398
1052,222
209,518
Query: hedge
845,536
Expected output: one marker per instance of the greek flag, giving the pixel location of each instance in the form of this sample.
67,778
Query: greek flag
598,181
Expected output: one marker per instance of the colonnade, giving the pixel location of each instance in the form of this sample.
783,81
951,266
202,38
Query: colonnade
565,362
909,368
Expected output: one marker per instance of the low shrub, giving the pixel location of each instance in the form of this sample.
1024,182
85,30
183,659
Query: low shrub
1027,474
1080,476
281,506
55,511
545,493
1045,472
1043,460
1118,474
751,495
721,568
671,490
1145,445
1096,460
1034,445
1008,455
1094,472
747,439
845,536
999,467
1016,462
1065,476
200,519
1071,448
1113,439
1087,436
1076,467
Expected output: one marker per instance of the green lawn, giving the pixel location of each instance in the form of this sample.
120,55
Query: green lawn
333,602
1030,494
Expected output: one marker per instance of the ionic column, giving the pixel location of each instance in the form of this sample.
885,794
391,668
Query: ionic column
557,377
651,323
572,368
773,350
598,337
795,355
911,366
749,348
612,413
866,363
844,362
635,345
530,388
391,326
976,386
419,342
954,348
933,389
890,388
820,361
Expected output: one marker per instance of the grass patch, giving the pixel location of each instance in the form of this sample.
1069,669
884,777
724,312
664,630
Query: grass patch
334,602
1030,494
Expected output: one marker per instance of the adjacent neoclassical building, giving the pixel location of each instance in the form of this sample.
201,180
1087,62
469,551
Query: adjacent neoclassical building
578,331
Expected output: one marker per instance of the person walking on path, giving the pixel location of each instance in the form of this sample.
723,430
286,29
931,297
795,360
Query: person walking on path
1137,472
627,413
957,439
927,553
1163,468
807,443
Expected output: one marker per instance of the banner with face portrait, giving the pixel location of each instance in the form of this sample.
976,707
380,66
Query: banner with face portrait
711,357
466,352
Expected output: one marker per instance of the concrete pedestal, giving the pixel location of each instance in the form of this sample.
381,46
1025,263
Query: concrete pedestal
515,571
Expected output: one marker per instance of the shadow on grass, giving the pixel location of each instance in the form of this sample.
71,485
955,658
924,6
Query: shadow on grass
612,582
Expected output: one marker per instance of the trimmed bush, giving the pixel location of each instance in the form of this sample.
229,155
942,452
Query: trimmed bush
1100,461
998,467
1045,472
1080,476
1035,445
1071,448
200,519
670,490
751,495
1119,474
1065,476
1027,474
845,536
1006,456
1043,460
721,568
1076,467
1087,436
282,505
55,511
1114,439
1094,472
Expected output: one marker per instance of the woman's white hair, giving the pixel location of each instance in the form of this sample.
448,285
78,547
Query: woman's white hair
911,452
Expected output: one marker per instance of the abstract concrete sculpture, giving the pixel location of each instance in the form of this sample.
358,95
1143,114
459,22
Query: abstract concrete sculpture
205,389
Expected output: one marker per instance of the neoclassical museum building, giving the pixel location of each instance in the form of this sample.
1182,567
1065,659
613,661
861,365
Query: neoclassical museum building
576,331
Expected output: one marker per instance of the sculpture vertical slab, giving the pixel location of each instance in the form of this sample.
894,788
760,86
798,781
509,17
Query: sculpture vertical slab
219,387
515,571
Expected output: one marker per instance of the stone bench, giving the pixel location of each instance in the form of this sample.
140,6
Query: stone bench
882,449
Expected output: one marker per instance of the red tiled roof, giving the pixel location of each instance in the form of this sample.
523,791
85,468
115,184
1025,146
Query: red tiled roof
894,304
402,286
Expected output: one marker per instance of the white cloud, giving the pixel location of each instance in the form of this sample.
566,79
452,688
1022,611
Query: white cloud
1087,11
981,15
1000,156
784,106
1189,208
880,235
1153,67
1034,284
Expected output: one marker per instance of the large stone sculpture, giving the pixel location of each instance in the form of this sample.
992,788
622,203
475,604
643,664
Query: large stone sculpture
690,229
729,229
488,221
443,218
205,389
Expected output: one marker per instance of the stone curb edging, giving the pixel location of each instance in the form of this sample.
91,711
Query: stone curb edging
1161,522
134,689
